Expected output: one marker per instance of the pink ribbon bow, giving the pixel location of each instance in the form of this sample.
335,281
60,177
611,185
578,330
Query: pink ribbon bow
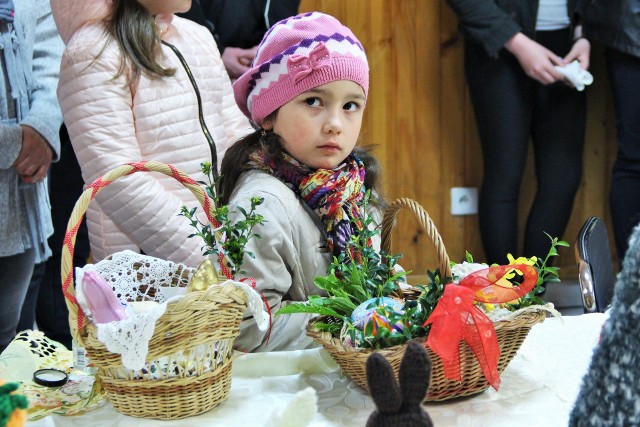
300,66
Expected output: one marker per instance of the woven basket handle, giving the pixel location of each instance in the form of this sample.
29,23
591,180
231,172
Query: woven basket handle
76,315
427,224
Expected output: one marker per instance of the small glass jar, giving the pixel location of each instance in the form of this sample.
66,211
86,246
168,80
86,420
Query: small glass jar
81,360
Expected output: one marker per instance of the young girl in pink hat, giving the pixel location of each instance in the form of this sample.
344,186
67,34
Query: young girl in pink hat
139,83
306,92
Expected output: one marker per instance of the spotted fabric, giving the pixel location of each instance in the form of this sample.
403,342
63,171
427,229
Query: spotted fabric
610,392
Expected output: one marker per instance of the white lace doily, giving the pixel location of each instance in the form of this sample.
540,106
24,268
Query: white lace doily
130,337
195,361
136,277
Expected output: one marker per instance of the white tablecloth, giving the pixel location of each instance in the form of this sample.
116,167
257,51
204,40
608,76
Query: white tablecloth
538,387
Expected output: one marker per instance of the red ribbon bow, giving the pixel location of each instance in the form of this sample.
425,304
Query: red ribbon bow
300,66
456,317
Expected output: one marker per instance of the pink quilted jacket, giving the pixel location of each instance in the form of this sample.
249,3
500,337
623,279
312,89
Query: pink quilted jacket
158,120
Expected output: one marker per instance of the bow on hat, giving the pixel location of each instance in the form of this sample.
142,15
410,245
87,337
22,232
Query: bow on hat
300,66
456,317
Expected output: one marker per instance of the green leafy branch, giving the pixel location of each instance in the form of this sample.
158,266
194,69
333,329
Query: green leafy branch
230,238
360,274
546,274
356,275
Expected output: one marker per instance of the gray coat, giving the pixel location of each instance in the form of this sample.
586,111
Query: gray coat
610,391
27,97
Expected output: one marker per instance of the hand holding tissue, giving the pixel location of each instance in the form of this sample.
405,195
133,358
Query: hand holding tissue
578,76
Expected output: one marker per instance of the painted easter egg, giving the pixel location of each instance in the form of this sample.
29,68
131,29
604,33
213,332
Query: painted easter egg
368,310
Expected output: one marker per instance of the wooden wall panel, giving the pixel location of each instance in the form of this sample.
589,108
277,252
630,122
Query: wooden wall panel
420,117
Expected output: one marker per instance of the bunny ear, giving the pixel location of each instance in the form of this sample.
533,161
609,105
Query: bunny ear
382,384
415,373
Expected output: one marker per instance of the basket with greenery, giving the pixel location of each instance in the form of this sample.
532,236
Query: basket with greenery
369,307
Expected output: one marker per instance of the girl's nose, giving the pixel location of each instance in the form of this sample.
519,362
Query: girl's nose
333,123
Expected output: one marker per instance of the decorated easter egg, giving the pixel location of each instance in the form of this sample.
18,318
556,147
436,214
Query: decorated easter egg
205,276
369,309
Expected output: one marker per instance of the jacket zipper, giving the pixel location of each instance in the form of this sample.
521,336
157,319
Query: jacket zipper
203,124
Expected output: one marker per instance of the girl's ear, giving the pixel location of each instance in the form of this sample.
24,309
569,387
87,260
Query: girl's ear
267,124
270,121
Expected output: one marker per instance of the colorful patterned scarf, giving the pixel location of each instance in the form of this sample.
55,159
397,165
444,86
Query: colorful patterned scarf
6,11
333,194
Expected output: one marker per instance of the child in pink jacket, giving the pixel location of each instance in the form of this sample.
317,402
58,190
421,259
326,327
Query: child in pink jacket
138,83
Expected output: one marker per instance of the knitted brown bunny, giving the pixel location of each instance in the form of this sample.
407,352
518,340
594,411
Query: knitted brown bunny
399,406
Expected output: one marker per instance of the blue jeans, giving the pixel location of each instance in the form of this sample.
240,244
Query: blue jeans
16,274
624,74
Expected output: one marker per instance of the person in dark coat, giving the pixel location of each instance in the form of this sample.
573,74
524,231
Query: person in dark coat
615,24
238,26
512,49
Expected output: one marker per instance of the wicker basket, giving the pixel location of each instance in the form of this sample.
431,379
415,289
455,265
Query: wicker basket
199,328
511,333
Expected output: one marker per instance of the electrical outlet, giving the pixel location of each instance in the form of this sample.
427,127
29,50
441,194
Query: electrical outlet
464,201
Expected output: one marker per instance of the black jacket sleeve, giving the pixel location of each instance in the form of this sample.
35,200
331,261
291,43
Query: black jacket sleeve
240,23
485,23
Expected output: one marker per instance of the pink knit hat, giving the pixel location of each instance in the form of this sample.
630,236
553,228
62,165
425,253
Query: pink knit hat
298,54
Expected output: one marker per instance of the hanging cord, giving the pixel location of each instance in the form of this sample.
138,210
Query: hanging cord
203,124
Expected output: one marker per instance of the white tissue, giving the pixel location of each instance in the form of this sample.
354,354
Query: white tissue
578,76
298,412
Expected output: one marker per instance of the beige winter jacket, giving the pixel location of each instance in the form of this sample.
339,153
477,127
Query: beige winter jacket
289,255
111,124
